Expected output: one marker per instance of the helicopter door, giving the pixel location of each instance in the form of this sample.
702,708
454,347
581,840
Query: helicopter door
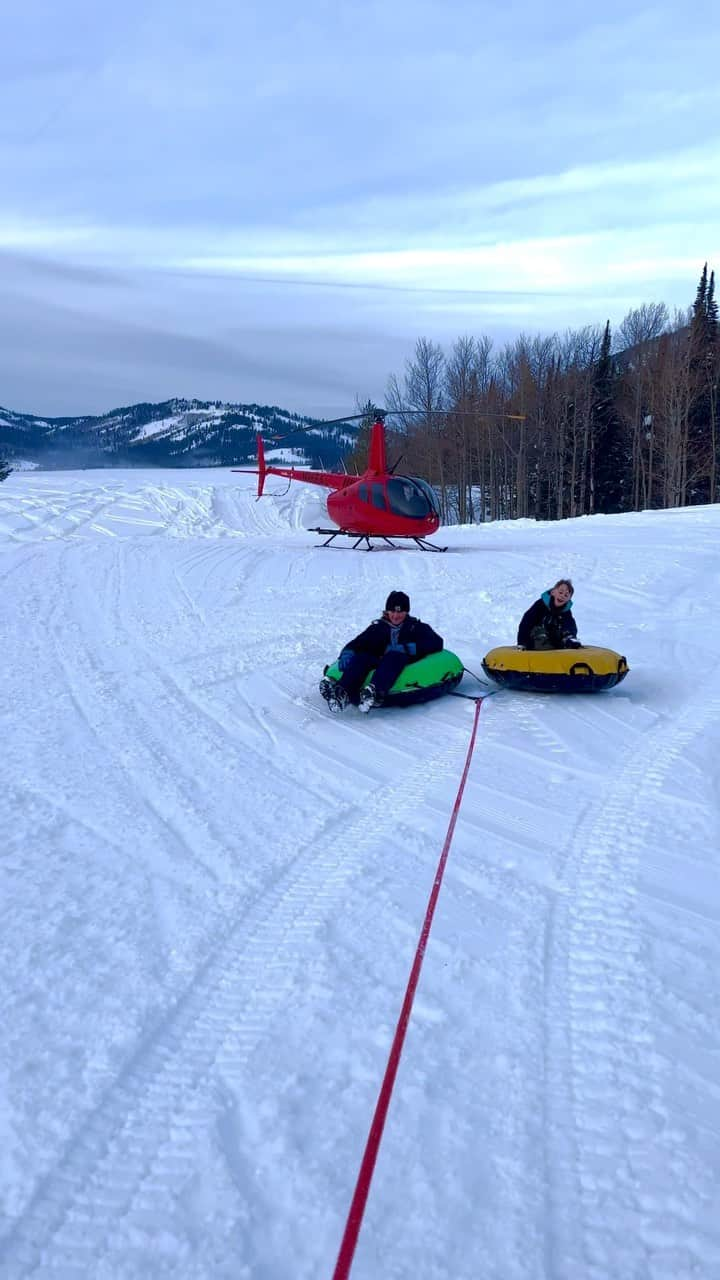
378,497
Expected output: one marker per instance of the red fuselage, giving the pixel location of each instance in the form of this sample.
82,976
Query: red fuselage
400,505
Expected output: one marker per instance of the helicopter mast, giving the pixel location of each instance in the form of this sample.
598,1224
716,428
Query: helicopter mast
376,460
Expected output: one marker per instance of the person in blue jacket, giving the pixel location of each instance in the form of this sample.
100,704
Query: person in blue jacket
388,645
549,623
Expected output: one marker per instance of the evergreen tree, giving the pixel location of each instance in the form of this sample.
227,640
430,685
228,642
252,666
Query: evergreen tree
713,371
702,446
711,313
5,470
704,324
699,306
610,464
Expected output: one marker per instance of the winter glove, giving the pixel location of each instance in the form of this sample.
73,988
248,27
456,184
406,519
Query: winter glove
571,643
345,659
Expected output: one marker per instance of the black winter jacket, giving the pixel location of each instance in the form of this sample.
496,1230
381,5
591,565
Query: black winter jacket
376,638
558,625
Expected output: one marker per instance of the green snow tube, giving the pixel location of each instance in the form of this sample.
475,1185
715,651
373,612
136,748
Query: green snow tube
419,681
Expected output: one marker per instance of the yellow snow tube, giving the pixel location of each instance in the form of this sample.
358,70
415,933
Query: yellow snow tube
584,670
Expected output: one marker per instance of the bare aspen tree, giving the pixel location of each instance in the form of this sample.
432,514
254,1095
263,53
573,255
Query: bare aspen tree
423,395
638,335
463,382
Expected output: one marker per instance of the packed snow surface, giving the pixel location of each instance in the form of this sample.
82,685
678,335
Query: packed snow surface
212,891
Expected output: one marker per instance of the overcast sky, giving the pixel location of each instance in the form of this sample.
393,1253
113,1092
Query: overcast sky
272,201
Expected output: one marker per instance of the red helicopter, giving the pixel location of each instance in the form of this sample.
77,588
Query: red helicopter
378,504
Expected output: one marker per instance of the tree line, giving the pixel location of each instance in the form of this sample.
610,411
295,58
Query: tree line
550,427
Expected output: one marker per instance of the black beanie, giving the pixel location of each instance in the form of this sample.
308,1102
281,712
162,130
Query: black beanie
397,600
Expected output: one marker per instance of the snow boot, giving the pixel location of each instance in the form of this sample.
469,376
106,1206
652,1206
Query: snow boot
368,699
336,697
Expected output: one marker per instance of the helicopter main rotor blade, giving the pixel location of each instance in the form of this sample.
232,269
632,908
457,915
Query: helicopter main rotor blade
314,426
451,413
382,414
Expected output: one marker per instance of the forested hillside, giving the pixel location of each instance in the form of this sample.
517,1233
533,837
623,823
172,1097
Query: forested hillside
569,424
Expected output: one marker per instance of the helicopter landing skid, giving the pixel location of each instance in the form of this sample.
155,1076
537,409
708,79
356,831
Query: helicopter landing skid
423,543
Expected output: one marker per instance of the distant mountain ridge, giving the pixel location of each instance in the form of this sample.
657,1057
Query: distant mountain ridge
172,433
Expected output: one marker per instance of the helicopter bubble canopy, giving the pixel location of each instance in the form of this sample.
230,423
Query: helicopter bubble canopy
404,496
410,496
430,494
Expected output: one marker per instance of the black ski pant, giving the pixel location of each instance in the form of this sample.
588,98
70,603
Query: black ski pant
387,670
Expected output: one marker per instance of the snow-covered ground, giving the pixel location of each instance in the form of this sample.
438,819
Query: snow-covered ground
212,892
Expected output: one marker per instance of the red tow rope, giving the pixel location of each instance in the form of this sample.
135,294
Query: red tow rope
362,1187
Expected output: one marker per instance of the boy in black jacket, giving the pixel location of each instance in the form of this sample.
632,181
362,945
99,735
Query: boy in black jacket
388,645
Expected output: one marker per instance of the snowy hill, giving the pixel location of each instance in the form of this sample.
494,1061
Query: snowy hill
213,889
183,433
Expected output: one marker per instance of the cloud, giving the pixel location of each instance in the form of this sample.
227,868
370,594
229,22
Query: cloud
20,269
363,175
65,356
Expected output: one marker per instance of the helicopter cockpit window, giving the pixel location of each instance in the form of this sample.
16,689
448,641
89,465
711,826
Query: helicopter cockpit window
429,493
378,497
363,492
409,497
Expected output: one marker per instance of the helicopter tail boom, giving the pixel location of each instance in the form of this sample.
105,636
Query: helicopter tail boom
328,479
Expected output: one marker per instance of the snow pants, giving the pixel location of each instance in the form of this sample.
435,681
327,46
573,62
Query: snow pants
387,670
